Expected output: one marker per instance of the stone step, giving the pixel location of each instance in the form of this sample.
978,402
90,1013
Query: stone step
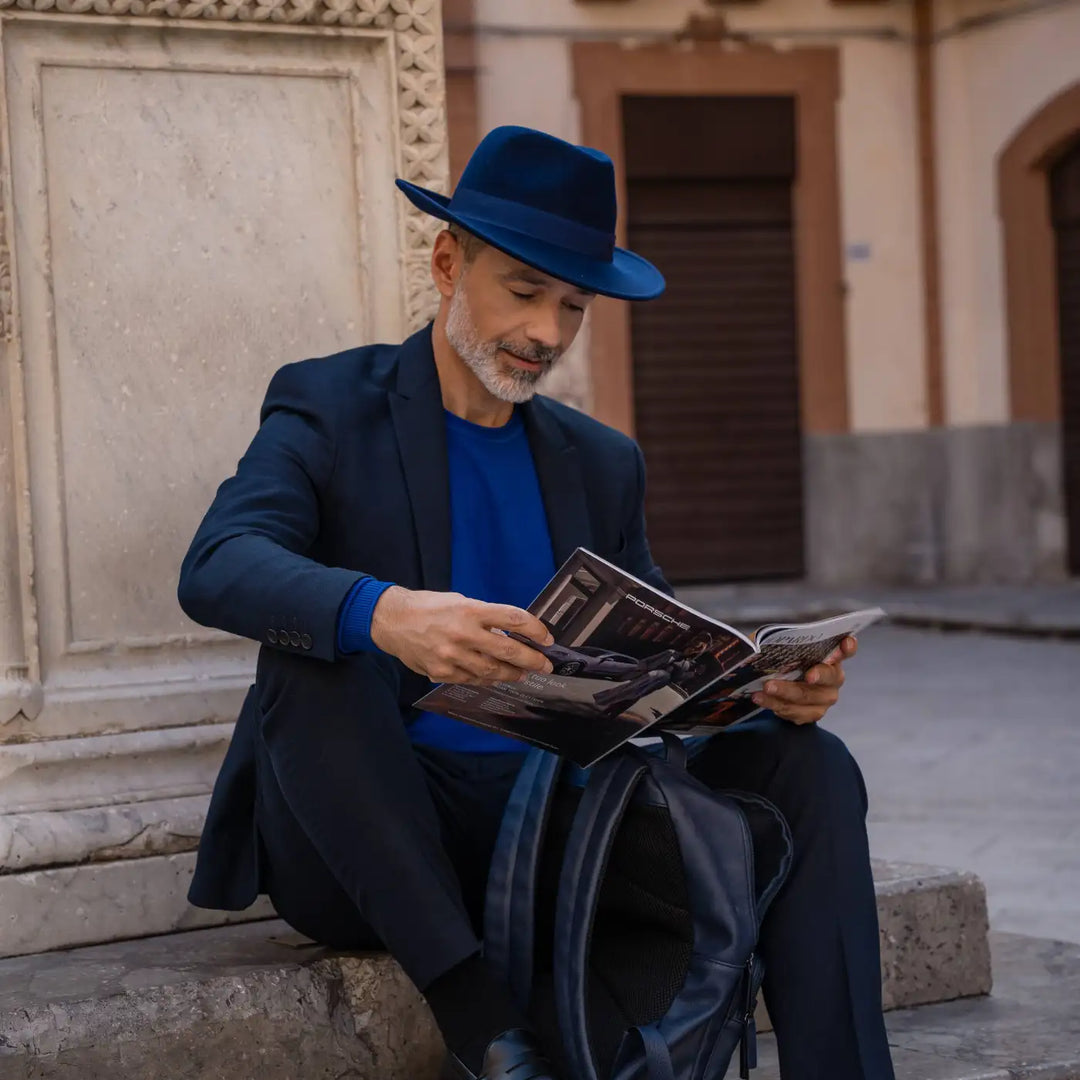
933,932
239,1002
1028,1029
257,1000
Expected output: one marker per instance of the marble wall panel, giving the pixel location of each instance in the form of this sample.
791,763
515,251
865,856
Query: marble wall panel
173,303
190,212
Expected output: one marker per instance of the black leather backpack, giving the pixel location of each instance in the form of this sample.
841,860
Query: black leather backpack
623,908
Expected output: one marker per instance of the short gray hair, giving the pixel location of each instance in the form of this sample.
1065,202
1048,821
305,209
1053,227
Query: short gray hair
471,245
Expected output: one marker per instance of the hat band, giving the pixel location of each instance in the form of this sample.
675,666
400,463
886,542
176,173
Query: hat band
518,217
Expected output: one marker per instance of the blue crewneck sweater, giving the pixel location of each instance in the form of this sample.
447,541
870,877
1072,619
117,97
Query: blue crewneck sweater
500,552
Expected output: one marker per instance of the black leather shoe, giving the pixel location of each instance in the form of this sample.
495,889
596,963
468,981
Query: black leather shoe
513,1055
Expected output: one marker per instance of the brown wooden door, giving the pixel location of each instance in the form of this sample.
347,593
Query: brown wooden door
1065,203
715,360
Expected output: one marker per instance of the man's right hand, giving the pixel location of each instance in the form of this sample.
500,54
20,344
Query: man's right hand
450,638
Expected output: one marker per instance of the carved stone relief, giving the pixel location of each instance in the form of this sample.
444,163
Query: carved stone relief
417,145
86,781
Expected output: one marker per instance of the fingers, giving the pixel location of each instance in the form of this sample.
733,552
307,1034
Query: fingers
506,617
506,650
460,664
465,649
797,694
846,649
825,675
800,702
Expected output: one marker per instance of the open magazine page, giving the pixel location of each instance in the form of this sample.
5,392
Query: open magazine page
625,655
786,652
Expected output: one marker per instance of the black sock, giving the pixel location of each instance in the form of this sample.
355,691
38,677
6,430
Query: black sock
472,1005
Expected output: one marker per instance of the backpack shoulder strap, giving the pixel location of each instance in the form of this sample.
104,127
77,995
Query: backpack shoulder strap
511,890
596,822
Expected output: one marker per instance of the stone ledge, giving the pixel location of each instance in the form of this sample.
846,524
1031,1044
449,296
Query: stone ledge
80,905
231,1003
933,931
241,1003
257,1000
933,928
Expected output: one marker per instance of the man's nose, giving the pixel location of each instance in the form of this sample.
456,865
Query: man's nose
544,327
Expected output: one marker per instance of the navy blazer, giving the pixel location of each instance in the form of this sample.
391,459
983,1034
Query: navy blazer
347,474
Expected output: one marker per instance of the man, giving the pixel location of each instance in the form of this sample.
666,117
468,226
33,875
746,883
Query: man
397,509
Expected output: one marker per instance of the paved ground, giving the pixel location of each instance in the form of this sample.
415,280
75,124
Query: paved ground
971,747
970,739
1052,609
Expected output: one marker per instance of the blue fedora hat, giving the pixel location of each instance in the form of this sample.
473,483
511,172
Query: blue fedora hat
549,204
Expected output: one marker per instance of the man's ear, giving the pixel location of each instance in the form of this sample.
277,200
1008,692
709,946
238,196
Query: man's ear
447,260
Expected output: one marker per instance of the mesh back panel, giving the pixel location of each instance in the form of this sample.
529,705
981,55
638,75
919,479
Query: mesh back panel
643,933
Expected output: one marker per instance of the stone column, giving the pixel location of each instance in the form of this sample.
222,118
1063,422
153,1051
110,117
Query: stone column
193,193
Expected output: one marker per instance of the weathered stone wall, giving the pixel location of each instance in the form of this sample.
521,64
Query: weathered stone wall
193,194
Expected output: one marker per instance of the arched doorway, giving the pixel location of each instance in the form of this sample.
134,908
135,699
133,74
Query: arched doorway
1065,216
1039,198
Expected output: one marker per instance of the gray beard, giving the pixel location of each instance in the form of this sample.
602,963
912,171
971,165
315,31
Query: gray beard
513,385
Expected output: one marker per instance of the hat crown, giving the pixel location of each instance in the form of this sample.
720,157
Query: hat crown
548,204
544,173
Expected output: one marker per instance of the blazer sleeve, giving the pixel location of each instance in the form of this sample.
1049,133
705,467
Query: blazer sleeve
246,571
636,557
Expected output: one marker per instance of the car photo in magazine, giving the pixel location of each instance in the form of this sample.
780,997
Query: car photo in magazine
625,656
784,652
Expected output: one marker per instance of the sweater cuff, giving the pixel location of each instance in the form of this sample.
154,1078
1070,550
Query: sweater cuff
354,619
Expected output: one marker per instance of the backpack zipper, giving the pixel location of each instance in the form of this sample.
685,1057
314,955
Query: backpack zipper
748,1040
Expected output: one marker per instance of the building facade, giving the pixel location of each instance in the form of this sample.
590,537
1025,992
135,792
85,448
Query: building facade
867,366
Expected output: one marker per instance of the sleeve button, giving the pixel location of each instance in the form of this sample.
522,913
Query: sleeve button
294,639
305,641
271,636
283,637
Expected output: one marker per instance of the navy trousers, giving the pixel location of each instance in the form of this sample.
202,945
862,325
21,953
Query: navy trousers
390,848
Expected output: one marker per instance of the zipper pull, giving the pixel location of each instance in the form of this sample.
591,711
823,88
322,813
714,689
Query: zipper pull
748,1042
750,1039
750,1001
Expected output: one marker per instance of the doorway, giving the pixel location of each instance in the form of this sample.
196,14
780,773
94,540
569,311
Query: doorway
1065,214
716,359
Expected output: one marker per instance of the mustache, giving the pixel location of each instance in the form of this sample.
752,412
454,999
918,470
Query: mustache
540,354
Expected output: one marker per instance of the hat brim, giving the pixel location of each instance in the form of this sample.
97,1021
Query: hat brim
626,277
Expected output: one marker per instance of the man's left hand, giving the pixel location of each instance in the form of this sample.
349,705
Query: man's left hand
806,702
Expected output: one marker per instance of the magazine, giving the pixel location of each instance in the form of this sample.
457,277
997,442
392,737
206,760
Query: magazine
783,652
626,658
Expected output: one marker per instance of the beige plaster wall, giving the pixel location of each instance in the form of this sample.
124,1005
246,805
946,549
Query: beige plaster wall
525,77
990,81
881,215
661,16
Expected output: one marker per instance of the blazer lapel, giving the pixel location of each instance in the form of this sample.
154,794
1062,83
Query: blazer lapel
417,411
562,486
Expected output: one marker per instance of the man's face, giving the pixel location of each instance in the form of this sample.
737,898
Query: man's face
510,324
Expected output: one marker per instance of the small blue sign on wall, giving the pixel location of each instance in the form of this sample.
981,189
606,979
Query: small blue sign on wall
859,252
